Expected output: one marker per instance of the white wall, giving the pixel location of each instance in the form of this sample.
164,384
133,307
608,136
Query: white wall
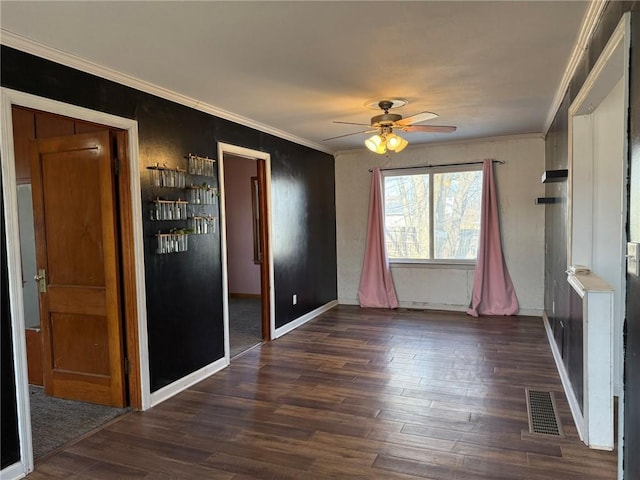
445,287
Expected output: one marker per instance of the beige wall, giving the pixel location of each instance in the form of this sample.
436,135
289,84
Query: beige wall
445,287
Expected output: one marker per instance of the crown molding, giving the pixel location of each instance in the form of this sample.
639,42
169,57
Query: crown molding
589,24
41,50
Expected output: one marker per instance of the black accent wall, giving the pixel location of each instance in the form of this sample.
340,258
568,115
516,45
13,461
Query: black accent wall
184,290
10,451
557,290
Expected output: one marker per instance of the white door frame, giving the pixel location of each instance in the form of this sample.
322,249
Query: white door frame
255,155
10,98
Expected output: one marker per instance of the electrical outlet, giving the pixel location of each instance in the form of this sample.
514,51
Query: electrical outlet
295,299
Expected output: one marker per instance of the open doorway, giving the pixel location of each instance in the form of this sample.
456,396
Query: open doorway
244,257
245,176
69,229
75,133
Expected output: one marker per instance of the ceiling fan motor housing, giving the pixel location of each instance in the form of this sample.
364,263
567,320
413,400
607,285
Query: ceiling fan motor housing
385,119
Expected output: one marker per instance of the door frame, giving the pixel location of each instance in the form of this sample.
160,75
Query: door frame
134,297
268,254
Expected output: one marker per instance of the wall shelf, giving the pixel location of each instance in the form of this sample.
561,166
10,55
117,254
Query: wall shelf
197,210
555,175
203,166
172,242
547,200
163,176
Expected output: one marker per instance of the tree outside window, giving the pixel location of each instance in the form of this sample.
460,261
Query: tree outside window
432,216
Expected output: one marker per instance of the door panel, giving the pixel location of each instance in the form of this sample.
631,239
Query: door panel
48,125
76,244
74,338
69,186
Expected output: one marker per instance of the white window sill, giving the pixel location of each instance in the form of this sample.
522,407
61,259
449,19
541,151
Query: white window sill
459,265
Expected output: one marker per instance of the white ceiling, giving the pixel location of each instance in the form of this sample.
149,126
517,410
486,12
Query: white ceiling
490,68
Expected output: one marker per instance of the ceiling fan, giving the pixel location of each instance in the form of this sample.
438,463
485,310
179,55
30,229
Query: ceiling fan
384,124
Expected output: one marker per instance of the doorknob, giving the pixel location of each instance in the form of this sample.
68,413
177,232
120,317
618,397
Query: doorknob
41,278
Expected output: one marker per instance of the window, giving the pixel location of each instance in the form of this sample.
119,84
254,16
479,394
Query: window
432,215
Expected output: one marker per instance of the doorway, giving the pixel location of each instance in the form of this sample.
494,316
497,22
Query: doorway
121,135
70,238
247,258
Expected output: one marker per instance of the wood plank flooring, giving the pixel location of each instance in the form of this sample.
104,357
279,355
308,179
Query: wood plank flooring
355,394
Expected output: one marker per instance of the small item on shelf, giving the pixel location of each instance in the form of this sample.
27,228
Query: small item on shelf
164,176
198,165
203,225
202,194
172,242
578,270
169,209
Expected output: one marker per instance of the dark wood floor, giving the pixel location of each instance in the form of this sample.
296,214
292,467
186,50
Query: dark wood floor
355,394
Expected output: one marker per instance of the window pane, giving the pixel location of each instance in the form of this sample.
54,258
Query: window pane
456,222
406,207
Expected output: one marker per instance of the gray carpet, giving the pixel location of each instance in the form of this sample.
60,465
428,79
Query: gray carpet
245,325
55,421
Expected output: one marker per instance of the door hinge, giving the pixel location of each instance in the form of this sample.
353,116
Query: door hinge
126,366
116,165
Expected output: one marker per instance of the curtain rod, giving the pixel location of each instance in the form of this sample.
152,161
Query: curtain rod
501,162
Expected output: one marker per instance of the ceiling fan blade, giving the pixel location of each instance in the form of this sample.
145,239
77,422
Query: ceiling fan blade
351,123
428,128
349,134
417,118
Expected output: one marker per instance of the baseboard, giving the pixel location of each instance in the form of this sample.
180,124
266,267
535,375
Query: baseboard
304,319
347,301
525,312
178,386
576,413
245,295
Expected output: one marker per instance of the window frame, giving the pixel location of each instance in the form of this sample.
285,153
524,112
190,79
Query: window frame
430,170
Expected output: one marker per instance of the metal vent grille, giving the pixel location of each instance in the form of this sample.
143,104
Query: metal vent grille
543,414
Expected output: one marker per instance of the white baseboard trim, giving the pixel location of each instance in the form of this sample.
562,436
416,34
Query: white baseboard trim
178,386
13,472
578,418
525,312
304,319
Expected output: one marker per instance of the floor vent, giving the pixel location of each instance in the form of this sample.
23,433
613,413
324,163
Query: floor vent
543,414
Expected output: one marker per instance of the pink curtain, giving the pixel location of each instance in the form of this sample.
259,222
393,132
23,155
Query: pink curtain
493,292
376,284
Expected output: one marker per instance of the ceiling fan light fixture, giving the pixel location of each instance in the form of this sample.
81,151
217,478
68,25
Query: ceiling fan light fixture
374,142
393,141
380,143
402,146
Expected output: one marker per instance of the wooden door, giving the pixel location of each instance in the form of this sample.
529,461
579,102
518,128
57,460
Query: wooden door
76,232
